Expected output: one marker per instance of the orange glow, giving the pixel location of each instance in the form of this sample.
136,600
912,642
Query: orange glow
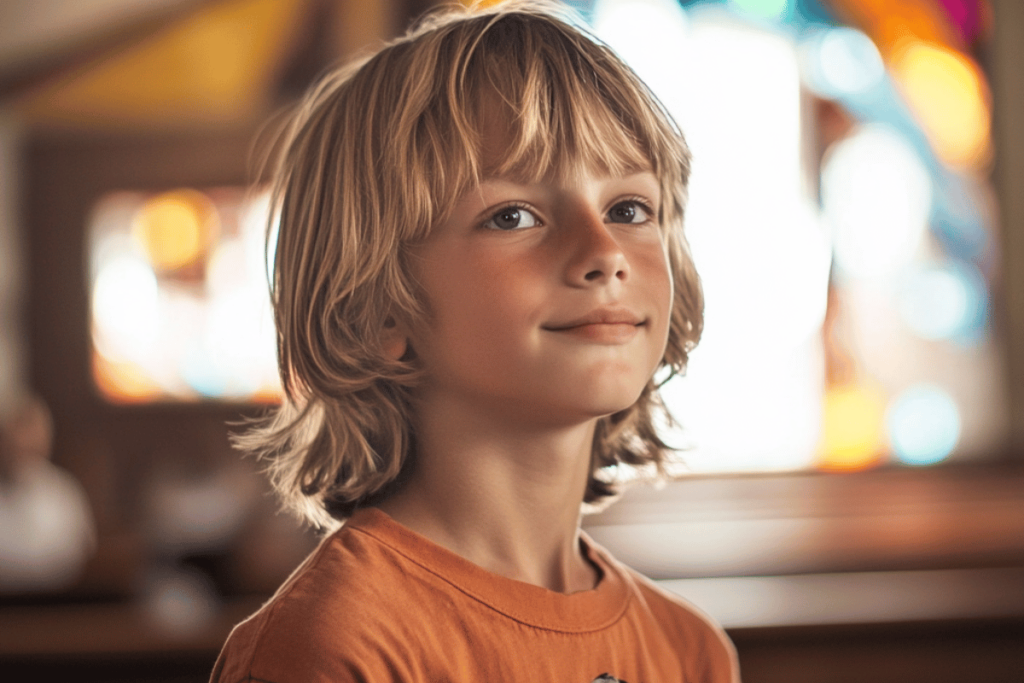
889,22
945,89
216,64
268,395
853,434
122,382
176,228
948,95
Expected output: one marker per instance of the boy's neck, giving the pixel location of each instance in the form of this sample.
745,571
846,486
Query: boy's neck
507,500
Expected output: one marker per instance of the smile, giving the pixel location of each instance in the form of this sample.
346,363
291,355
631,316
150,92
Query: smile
601,333
603,325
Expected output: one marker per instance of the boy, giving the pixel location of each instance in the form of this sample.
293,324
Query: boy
479,268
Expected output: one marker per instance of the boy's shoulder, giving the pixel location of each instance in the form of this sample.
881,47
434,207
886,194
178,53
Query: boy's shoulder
712,655
340,596
673,610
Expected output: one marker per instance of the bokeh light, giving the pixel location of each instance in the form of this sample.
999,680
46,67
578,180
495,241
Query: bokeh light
944,302
769,9
181,305
947,93
853,435
122,381
260,247
924,425
124,307
877,196
650,35
175,228
239,335
842,62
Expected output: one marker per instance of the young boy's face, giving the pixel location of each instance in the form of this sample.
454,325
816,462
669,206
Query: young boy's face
549,301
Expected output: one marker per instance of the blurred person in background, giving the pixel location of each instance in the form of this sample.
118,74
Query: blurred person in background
46,527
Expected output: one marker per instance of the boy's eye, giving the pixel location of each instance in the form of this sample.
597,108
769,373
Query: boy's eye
628,212
512,218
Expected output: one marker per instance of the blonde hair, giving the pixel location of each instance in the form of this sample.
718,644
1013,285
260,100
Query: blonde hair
374,158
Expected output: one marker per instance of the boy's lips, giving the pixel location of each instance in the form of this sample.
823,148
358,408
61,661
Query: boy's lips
607,325
601,316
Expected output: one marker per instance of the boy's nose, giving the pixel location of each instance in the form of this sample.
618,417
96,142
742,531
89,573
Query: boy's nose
597,256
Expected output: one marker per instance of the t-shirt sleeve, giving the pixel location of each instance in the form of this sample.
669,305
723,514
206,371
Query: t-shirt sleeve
243,660
297,643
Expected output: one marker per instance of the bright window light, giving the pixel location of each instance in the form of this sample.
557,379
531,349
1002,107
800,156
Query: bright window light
180,305
752,396
847,271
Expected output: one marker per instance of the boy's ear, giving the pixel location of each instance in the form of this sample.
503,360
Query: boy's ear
395,339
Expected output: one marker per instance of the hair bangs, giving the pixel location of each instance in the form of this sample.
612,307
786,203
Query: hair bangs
549,116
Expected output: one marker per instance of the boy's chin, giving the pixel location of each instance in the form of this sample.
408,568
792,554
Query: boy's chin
553,415
619,408
602,409
616,401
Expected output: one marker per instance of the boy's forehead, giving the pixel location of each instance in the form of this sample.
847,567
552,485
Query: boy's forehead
525,139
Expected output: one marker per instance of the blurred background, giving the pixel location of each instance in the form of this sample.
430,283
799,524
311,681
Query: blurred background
850,498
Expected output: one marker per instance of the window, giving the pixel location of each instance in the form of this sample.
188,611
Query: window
179,297
842,223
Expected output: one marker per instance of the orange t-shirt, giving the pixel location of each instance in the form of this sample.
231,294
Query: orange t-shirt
379,603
